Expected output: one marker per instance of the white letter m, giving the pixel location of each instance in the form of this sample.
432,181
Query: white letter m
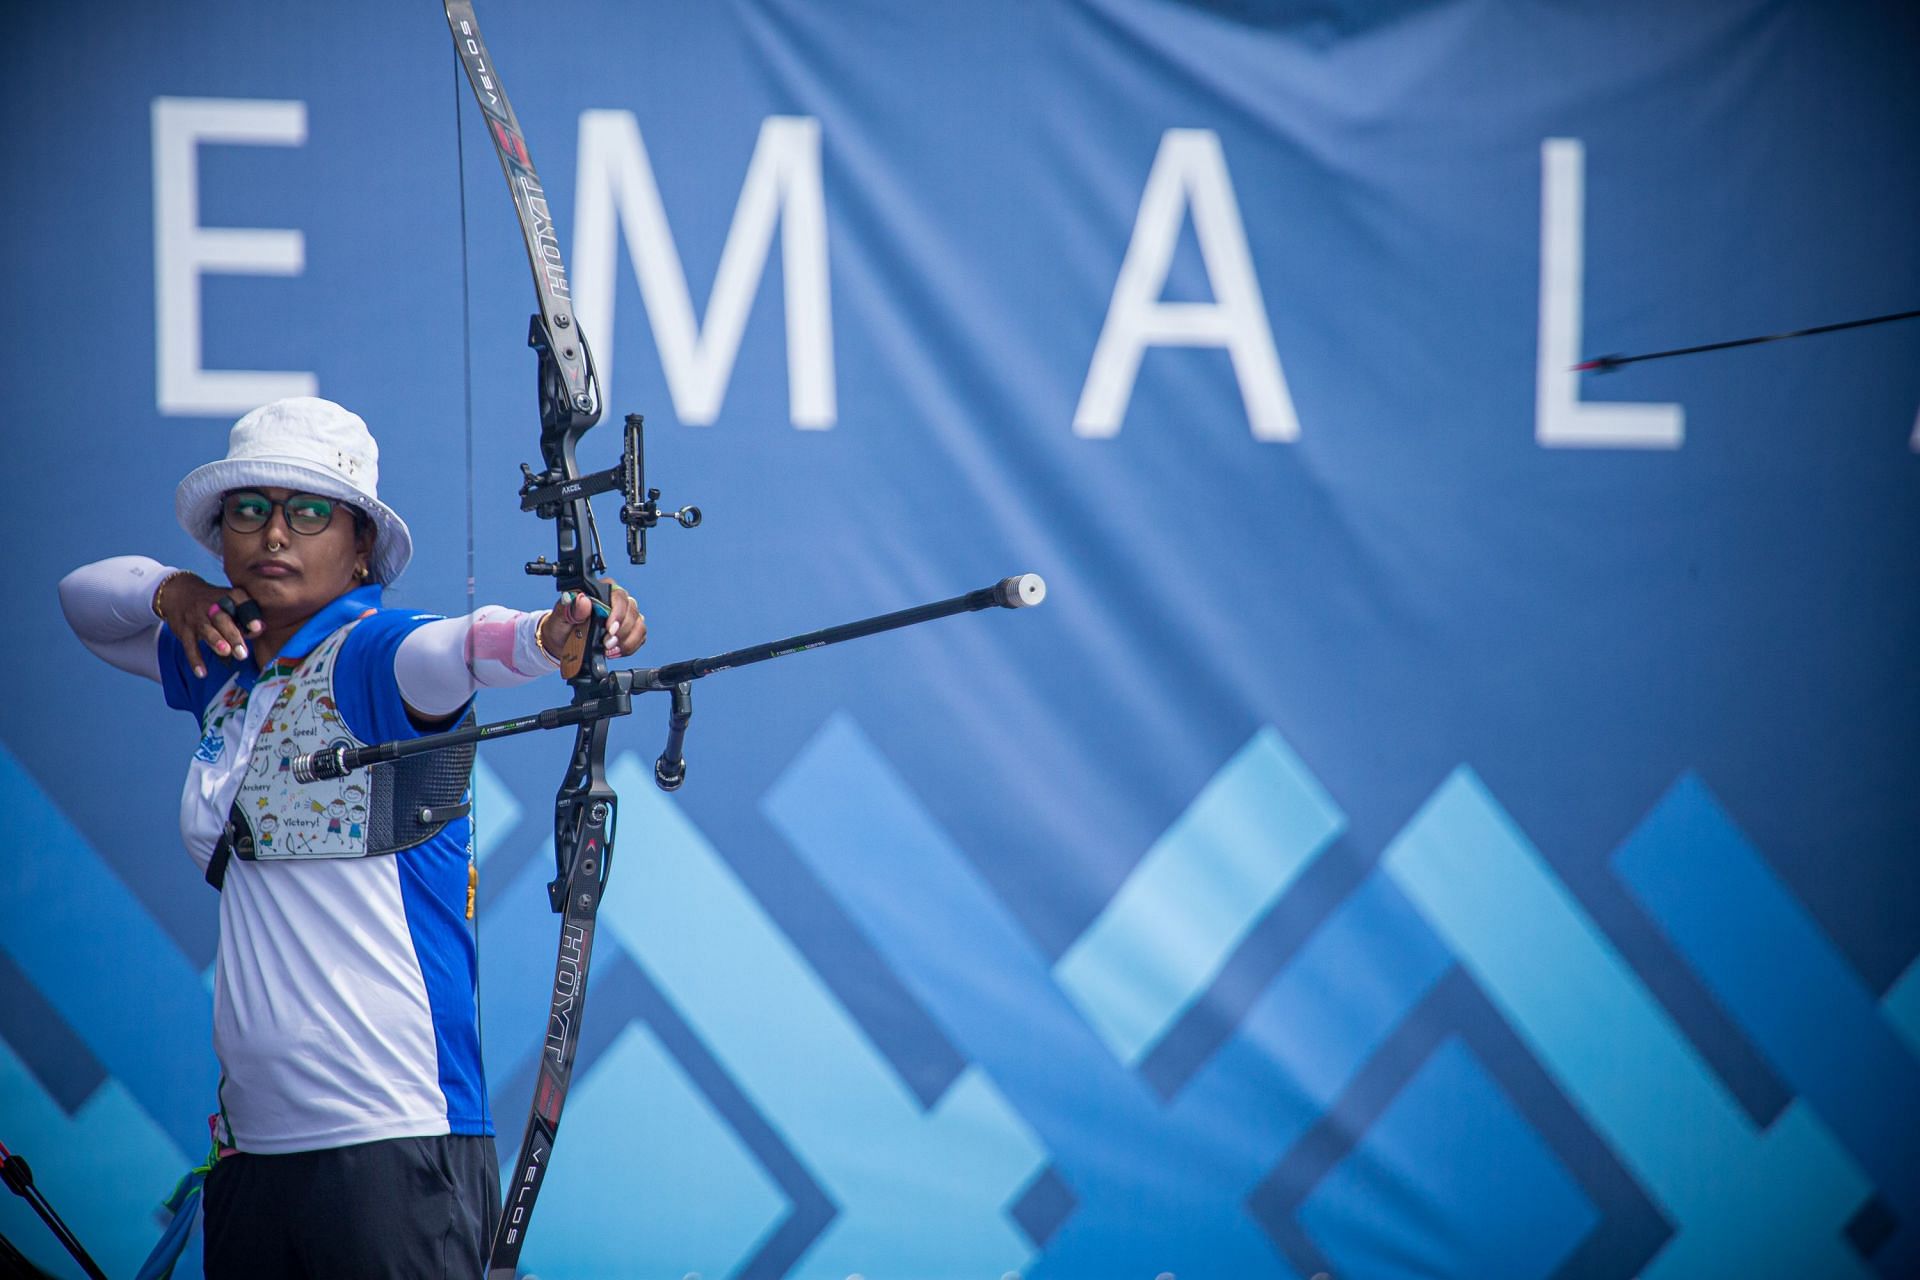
782,185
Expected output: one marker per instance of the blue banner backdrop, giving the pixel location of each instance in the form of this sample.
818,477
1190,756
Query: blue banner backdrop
1452,816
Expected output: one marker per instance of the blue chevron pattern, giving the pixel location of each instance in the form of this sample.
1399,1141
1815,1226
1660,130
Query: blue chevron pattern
1453,1073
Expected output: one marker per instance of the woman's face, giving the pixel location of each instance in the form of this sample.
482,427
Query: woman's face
301,556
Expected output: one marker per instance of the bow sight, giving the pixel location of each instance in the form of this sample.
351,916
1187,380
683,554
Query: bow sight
542,494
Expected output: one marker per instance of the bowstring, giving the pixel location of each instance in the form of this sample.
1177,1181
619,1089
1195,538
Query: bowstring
466,356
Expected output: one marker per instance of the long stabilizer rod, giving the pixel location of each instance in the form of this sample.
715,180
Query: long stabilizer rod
1018,592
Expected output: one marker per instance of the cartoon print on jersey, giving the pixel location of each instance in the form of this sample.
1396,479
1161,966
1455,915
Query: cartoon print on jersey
355,799
311,819
293,718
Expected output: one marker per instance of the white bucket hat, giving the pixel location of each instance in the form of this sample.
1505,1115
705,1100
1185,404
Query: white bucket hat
305,444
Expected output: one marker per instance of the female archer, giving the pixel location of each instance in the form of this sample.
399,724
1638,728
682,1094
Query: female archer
353,1125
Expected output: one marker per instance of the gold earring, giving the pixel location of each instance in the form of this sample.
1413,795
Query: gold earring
360,572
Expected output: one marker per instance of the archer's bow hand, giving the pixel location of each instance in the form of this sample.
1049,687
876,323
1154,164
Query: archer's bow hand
564,631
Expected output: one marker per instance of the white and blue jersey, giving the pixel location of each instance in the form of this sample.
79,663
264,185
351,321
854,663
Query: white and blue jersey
345,989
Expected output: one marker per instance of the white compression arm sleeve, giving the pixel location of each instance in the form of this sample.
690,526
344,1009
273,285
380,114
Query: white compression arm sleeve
109,605
439,666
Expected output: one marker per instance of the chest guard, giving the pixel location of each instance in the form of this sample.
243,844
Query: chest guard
382,809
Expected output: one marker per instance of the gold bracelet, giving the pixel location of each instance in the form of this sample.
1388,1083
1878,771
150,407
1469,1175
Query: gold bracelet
162,588
538,642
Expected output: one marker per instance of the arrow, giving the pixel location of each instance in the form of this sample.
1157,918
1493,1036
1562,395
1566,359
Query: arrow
1607,364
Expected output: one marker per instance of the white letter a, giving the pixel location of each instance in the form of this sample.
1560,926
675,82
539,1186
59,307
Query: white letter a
1190,172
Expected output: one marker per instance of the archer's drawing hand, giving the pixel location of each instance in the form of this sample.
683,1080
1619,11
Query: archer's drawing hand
199,612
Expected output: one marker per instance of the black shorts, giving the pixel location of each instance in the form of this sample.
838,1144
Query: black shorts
418,1208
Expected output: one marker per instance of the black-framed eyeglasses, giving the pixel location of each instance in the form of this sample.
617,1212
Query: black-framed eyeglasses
247,511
